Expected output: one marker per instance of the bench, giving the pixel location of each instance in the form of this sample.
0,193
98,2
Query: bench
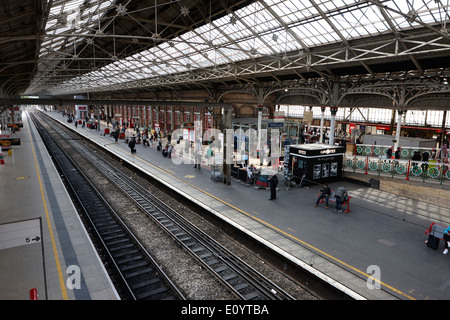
331,198
436,230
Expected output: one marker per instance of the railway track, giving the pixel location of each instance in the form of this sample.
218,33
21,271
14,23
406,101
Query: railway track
244,281
139,274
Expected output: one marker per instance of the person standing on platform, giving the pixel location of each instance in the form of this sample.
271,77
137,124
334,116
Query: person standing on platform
425,159
341,196
132,144
197,154
273,182
325,193
389,153
397,153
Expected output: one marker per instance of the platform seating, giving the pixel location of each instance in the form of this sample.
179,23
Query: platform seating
436,230
331,198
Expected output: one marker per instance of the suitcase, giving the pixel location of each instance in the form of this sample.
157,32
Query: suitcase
433,242
262,181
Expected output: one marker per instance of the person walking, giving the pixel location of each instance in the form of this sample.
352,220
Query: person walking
273,182
324,193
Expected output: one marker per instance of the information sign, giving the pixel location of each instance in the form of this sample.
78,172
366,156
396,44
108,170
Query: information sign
20,233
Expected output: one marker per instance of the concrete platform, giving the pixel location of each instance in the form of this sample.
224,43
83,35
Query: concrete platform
63,264
383,235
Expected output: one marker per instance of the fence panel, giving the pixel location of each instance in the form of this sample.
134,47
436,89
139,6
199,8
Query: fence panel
431,171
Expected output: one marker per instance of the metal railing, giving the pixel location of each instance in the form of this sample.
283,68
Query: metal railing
436,171
381,150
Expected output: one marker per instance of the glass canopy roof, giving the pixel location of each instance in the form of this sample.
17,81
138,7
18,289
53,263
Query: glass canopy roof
264,28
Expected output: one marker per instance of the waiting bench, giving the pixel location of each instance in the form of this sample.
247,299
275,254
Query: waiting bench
436,230
331,198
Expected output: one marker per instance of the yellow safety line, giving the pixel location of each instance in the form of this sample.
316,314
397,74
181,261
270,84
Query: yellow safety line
281,231
47,216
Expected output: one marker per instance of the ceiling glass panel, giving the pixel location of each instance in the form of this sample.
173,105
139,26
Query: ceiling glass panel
263,28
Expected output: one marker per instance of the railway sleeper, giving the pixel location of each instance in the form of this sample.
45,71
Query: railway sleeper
123,247
125,252
151,293
113,236
146,283
107,231
139,273
130,259
117,241
134,266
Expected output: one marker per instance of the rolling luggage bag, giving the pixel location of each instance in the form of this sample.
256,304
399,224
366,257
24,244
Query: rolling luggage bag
433,242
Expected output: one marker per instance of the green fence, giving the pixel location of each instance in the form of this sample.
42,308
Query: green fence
432,171
380,151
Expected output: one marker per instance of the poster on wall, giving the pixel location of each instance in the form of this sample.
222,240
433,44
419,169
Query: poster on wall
334,169
316,171
325,170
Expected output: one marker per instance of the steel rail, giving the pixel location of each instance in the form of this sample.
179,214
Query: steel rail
244,281
140,274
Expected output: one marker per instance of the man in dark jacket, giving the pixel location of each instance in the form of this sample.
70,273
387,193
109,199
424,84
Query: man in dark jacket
325,193
273,182
132,144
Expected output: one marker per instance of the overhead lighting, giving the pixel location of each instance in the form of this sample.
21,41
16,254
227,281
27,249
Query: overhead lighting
62,19
411,16
121,10
233,19
184,11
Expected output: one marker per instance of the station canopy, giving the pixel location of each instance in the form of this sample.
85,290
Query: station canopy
105,45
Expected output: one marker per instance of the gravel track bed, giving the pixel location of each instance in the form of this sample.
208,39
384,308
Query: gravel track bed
196,282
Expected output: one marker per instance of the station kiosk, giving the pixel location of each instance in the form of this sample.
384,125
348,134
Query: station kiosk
320,163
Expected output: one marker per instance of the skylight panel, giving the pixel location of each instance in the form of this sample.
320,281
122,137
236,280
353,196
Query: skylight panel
246,33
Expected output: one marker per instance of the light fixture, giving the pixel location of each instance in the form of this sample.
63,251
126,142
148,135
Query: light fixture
233,19
184,11
121,10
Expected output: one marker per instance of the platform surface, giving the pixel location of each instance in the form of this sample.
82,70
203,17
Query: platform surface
62,264
383,235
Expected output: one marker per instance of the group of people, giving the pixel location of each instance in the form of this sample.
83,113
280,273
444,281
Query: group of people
166,151
341,196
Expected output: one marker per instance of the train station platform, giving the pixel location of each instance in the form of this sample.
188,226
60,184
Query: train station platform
383,235
45,251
